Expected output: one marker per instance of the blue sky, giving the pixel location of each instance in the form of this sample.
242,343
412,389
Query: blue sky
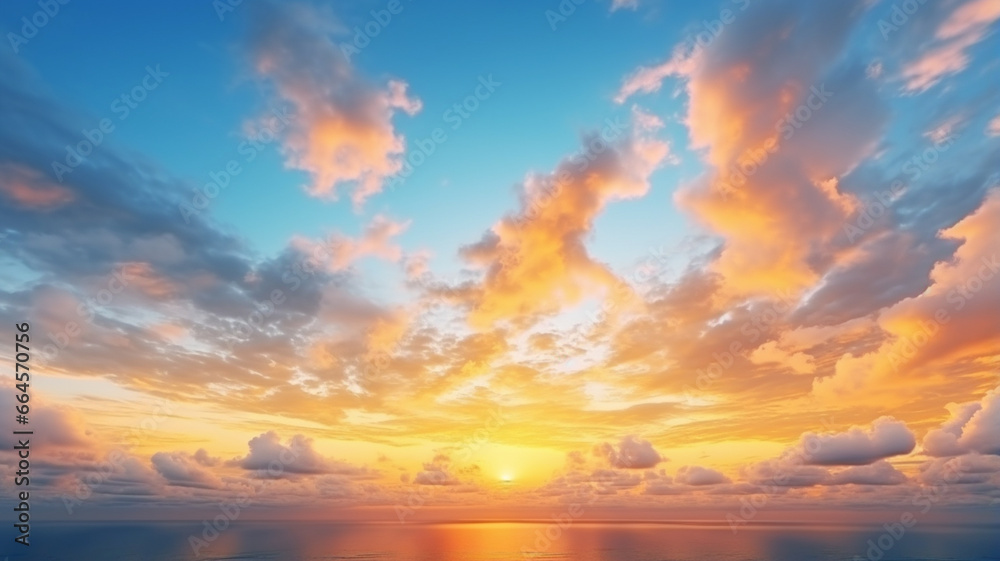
198,113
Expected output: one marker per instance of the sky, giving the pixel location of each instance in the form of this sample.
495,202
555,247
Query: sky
403,260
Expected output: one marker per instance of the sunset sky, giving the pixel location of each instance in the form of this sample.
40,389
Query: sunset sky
405,259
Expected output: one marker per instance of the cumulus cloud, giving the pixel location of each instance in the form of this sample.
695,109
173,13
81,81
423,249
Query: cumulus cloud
609,481
57,428
792,472
973,427
341,128
967,469
184,470
631,453
436,472
536,261
886,437
863,449
878,473
432,475
698,476
130,476
202,457
785,472
298,457
778,124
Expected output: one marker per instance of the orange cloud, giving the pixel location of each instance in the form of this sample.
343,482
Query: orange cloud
341,129
973,427
773,190
649,79
953,320
338,252
772,353
28,188
535,260
142,276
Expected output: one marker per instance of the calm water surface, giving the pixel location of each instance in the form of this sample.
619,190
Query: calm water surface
251,541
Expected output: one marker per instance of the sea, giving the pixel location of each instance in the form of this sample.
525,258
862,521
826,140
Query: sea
503,541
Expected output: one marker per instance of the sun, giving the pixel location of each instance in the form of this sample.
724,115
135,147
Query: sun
506,478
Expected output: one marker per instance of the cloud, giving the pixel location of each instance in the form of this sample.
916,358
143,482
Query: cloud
965,286
663,488
881,271
113,209
202,457
993,127
297,457
886,437
785,473
789,471
26,187
624,4
948,51
535,260
435,476
771,353
610,480
649,79
57,428
184,470
143,277
130,476
631,453
973,427
953,319
341,129
698,476
76,464
338,251
862,449
436,472
192,287
878,473
117,257
968,469
778,125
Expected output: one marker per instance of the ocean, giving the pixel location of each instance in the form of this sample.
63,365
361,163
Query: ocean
502,541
